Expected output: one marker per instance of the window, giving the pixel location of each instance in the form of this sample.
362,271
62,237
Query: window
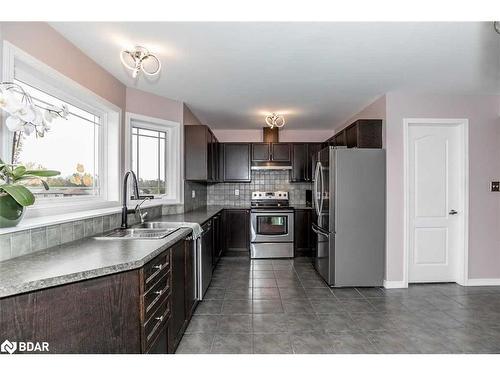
149,152
84,147
71,146
153,151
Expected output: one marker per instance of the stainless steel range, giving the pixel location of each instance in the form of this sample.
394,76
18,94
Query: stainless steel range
271,225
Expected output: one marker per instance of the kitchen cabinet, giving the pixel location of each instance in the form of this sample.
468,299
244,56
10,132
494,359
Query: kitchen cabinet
237,162
207,243
127,312
360,134
178,298
202,154
303,232
218,236
303,155
266,152
236,226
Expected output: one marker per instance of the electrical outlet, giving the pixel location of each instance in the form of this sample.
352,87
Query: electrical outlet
495,186
193,193
236,192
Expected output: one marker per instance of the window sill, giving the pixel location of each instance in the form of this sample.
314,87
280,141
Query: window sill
43,221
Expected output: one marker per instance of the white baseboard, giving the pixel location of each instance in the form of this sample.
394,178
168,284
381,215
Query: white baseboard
483,282
388,284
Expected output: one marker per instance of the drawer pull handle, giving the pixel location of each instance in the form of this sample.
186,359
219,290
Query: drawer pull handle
159,292
158,267
159,318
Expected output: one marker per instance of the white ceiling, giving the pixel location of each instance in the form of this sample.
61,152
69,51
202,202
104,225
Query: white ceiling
318,73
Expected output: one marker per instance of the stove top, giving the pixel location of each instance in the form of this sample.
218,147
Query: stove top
269,199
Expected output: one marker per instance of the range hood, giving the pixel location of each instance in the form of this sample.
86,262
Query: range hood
270,136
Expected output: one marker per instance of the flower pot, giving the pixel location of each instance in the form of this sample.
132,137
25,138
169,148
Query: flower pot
11,212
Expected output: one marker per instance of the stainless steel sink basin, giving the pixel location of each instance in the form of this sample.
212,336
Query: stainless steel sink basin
138,234
157,225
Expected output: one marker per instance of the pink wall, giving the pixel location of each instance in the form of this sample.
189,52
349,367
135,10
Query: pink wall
484,164
189,117
375,110
152,105
47,45
286,135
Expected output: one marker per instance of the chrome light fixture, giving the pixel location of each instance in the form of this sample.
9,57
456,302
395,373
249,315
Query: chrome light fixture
140,59
496,26
275,121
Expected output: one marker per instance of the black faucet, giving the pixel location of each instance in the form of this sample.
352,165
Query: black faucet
125,210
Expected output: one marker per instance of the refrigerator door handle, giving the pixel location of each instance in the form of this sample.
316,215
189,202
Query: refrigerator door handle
322,188
316,174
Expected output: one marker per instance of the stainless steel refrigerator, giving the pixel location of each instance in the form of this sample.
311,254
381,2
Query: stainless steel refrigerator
349,225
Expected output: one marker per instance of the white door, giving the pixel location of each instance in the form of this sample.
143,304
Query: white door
436,201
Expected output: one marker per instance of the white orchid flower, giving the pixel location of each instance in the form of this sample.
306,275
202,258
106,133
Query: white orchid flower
10,103
28,128
14,123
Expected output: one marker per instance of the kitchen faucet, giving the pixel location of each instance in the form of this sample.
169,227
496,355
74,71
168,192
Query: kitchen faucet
125,210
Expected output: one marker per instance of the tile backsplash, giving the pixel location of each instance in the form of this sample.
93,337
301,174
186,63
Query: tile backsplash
271,180
200,198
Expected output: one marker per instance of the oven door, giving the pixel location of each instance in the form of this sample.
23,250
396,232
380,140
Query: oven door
271,226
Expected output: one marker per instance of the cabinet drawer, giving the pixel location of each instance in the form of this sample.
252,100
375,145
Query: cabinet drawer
154,296
153,326
154,270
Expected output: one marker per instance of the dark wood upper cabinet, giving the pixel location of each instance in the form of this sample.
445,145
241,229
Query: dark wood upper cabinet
261,151
202,154
237,162
266,152
360,134
302,161
280,152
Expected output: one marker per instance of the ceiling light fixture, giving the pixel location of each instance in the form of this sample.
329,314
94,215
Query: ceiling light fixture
139,58
275,120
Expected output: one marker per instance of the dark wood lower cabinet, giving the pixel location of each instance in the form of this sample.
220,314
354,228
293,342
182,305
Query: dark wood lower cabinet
303,232
236,227
139,311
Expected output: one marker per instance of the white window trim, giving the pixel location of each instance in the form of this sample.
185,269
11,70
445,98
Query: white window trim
174,149
109,156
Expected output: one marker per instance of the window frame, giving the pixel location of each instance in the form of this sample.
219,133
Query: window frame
47,79
173,164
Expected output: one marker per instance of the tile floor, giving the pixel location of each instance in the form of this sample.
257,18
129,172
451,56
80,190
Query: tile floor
282,306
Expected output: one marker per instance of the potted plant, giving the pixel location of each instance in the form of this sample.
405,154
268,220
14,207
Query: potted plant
23,119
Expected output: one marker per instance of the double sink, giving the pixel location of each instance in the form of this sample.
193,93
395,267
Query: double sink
153,230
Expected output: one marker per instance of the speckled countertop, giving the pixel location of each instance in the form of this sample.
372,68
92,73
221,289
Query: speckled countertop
79,260
89,258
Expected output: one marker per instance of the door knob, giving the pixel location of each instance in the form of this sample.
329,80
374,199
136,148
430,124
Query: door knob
453,212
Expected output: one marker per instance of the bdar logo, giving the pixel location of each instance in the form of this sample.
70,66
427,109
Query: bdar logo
8,347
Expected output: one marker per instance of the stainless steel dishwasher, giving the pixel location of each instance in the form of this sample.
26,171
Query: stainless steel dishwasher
205,259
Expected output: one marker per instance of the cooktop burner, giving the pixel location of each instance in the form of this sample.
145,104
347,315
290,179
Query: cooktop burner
276,199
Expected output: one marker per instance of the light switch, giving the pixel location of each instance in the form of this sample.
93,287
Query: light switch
236,192
495,186
193,193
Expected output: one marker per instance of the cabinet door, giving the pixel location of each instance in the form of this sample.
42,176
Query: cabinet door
237,162
312,151
280,152
178,298
160,345
190,279
299,162
207,254
196,153
261,152
237,230
217,248
302,229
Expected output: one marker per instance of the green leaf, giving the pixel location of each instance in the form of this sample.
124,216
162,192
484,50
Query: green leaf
19,171
42,173
21,195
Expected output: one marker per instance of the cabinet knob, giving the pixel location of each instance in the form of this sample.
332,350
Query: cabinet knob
158,267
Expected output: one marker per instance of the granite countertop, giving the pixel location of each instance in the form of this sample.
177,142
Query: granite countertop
89,258
79,260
